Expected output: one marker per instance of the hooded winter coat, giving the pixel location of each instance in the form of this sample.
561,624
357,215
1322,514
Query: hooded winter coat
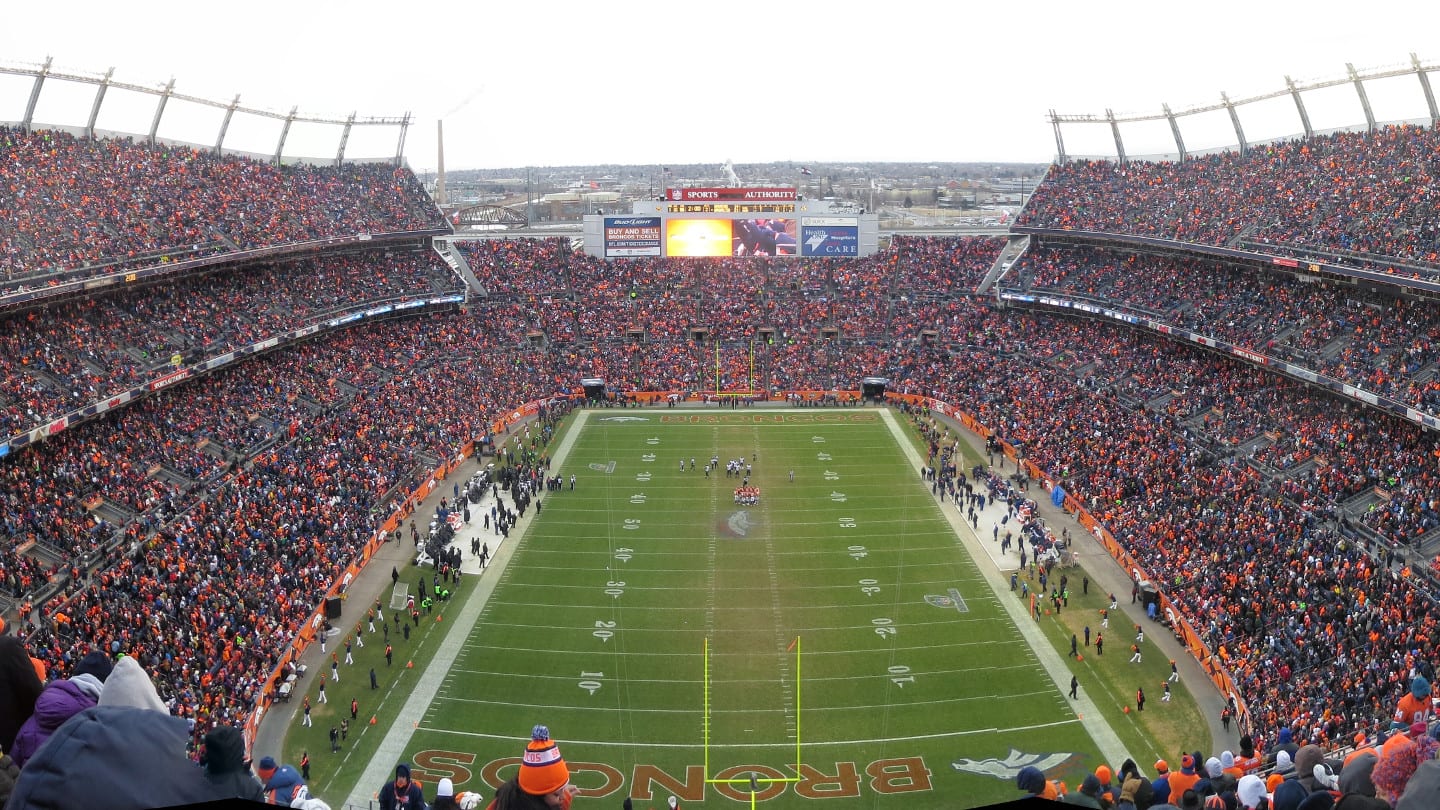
60,701
1288,795
1355,776
225,765
1142,792
1423,791
1305,761
19,688
394,797
9,772
122,757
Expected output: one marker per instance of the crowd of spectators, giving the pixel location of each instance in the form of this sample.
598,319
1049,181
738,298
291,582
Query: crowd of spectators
77,207
68,355
233,570
1368,195
1069,393
1284,599
730,299
1147,433
1381,343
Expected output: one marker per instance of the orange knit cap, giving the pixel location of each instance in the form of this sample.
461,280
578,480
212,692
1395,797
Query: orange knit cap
542,770
1104,774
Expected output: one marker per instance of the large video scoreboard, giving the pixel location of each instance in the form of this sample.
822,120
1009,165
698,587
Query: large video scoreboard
775,222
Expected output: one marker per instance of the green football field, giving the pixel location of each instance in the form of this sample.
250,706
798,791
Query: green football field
835,641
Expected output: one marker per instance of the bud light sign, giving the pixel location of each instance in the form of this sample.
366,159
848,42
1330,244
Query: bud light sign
632,236
829,240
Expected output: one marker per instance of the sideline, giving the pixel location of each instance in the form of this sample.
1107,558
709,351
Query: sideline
1111,749
1106,573
397,738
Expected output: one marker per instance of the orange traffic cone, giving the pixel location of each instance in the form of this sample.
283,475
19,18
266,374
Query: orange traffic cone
409,664
439,618
1125,709
1079,657
372,719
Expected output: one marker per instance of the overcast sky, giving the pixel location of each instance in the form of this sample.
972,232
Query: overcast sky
547,82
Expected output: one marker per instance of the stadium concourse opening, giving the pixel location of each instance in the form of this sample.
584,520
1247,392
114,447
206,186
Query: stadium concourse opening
594,388
873,388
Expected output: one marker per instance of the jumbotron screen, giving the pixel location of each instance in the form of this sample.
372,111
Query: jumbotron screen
731,237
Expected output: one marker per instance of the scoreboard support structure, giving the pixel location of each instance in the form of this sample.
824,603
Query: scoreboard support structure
772,222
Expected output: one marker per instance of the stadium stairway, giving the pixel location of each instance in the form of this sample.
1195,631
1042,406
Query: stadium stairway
309,404
1360,503
224,239
1429,544
1011,253
112,512
93,367
215,449
456,261
172,476
1157,404
1334,347
1254,444
1300,471
1243,235
1282,334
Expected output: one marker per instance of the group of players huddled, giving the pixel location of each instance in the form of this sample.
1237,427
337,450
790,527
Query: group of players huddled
745,494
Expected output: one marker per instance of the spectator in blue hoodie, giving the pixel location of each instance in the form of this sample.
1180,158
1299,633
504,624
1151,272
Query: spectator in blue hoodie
1161,783
402,793
1285,743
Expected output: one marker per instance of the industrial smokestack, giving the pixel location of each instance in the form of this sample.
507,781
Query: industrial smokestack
440,163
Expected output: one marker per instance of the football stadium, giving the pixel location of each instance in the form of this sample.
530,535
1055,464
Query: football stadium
314,494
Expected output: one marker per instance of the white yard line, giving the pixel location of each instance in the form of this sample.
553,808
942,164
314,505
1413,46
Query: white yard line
1111,749
397,739
788,746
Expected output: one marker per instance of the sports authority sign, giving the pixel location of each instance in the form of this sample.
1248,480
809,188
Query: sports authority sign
730,194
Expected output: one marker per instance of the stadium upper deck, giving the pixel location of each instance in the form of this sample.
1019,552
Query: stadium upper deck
76,208
1366,196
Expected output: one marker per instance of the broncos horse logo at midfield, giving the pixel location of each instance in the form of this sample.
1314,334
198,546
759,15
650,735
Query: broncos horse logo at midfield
1009,767
738,524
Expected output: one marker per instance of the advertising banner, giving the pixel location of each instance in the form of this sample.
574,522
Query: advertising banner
632,236
819,238
730,194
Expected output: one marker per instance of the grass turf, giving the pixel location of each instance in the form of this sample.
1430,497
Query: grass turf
628,590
